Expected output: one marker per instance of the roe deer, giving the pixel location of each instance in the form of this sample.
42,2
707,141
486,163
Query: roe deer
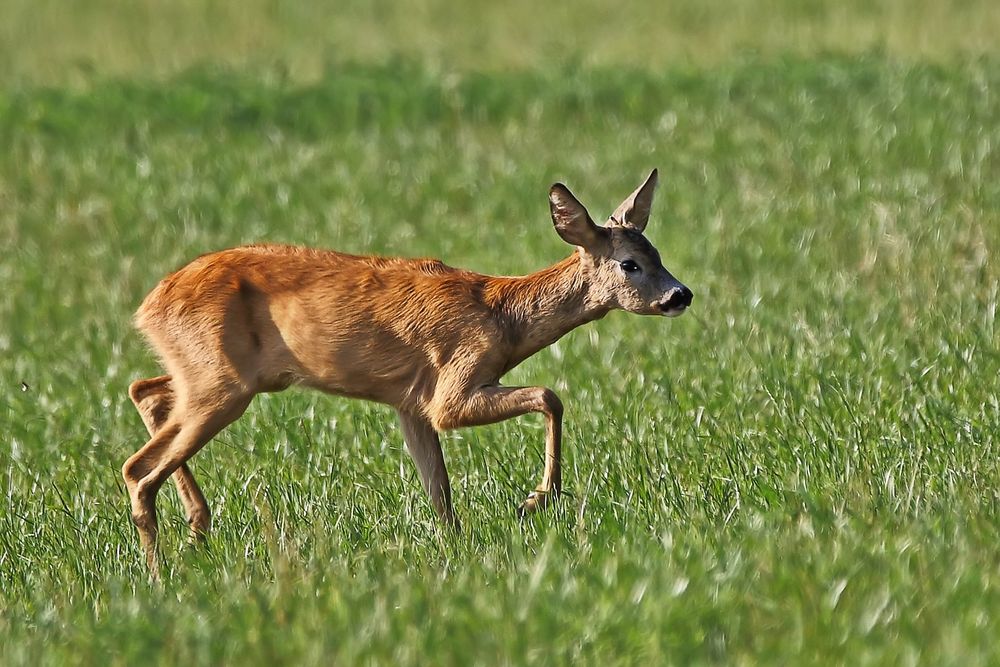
430,340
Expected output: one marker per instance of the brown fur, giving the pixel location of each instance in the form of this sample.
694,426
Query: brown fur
430,340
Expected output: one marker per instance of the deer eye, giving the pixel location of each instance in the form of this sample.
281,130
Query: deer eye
628,266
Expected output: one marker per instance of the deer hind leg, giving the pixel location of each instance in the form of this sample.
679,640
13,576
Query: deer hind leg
491,404
154,399
424,446
187,428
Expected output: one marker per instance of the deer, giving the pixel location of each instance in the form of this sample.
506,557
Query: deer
427,339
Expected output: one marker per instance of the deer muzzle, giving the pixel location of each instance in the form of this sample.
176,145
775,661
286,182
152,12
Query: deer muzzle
676,302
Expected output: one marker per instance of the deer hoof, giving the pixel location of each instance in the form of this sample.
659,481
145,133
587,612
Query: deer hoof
536,500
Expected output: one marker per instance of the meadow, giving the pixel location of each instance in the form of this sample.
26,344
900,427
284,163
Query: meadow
804,469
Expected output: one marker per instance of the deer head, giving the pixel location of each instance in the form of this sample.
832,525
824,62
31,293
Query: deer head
622,267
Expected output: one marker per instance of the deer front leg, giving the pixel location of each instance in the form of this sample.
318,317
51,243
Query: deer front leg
491,404
424,446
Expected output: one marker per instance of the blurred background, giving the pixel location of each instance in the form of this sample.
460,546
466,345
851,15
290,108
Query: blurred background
54,42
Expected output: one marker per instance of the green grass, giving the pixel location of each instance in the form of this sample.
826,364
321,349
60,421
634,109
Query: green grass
69,43
804,469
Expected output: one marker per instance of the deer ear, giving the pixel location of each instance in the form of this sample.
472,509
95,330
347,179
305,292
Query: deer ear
571,219
634,211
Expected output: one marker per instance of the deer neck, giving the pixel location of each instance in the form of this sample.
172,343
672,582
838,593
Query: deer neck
540,308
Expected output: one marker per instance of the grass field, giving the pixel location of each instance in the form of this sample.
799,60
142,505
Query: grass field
69,43
803,469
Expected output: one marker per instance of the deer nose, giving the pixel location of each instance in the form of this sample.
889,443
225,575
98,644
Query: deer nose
678,299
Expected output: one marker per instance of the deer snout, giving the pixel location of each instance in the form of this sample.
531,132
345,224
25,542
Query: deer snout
676,301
